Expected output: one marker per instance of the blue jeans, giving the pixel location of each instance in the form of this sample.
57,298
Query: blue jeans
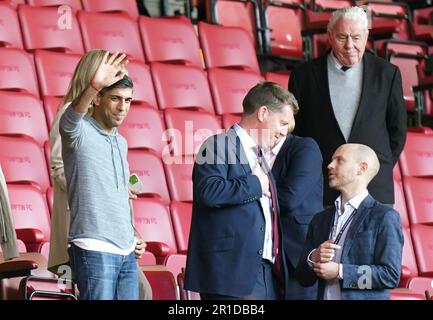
104,276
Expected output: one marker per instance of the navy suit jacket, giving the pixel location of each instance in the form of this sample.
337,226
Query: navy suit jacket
298,175
227,227
373,246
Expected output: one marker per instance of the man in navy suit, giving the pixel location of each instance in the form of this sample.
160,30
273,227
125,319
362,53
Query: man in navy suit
234,242
297,167
354,249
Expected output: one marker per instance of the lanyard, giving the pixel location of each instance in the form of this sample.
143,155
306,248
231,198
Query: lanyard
334,227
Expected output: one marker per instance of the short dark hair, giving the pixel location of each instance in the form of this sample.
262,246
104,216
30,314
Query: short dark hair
271,95
125,82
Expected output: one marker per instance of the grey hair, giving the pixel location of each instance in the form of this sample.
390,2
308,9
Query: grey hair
352,13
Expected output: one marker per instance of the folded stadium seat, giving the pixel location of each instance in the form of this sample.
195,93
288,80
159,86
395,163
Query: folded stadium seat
228,120
396,294
179,86
281,78
422,27
408,264
22,115
389,19
144,93
31,216
111,31
149,168
229,88
183,293
42,288
175,263
388,47
47,152
243,14
21,247
10,32
147,259
124,6
178,171
162,282
181,213
23,162
45,249
422,237
143,128
55,71
417,156
44,28
187,130
50,199
17,71
283,31
73,4
420,284
15,3
396,173
171,40
400,203
319,12
153,223
419,195
51,105
228,47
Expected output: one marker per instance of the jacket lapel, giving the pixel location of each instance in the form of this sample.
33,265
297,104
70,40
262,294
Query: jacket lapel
362,212
280,161
236,147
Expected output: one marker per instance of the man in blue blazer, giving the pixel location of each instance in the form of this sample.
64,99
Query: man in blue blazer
298,174
234,248
354,249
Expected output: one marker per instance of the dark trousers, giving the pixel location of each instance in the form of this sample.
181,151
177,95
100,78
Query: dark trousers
265,287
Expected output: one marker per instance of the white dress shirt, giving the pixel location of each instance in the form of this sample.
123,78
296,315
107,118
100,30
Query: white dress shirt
249,146
271,154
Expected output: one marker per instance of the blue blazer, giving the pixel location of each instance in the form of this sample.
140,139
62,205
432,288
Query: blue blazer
227,227
374,240
298,174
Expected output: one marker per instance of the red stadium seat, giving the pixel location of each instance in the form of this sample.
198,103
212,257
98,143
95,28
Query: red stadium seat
144,93
188,129
175,263
422,237
178,86
420,284
55,71
229,47
153,223
181,213
147,259
419,195
23,161
30,214
151,172
281,78
404,295
409,78
417,156
143,128
237,14
21,247
17,71
162,283
229,120
44,28
178,171
125,6
22,114
73,4
396,173
170,40
50,199
51,105
10,32
229,88
186,294
400,203
408,265
113,32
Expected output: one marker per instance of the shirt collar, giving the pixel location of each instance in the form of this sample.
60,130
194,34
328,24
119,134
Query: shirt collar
355,202
334,60
246,140
274,151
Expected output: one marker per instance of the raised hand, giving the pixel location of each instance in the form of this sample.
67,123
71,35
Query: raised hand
111,70
325,252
